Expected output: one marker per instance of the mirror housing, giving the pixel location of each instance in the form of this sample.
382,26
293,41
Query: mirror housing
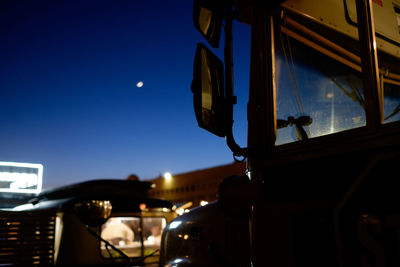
207,19
208,91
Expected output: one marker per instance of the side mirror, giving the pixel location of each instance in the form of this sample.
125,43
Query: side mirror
208,91
207,18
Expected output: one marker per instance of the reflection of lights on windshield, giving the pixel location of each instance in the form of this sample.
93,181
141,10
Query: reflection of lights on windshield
329,95
357,120
205,19
180,211
23,207
177,261
174,225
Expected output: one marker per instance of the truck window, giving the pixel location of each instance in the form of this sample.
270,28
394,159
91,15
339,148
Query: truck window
152,230
318,66
387,24
124,234
391,102
386,16
317,73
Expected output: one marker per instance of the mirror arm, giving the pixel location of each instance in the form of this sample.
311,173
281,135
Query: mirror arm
228,58
235,148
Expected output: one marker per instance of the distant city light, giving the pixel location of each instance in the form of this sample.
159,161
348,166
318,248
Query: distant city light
180,211
139,84
203,203
168,176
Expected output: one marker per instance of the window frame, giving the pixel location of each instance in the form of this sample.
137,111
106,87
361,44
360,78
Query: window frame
372,92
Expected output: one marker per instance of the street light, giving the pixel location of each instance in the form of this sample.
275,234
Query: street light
167,176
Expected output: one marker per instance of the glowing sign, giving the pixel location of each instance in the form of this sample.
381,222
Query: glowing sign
20,177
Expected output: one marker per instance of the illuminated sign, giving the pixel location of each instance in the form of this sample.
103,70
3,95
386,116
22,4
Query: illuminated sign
20,177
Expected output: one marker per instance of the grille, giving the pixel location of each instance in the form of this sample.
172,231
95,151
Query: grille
27,238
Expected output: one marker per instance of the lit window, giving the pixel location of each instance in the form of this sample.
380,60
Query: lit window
124,233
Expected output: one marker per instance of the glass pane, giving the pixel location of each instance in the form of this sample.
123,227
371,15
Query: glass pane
206,84
391,102
319,87
152,231
387,27
123,233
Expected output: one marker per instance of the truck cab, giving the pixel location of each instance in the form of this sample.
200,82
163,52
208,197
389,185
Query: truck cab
323,116
93,223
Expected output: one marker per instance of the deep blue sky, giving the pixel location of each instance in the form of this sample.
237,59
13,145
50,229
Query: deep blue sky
68,89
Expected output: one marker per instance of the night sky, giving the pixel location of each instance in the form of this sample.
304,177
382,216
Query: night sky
69,96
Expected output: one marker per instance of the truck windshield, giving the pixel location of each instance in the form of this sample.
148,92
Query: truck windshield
311,80
318,68
319,87
125,234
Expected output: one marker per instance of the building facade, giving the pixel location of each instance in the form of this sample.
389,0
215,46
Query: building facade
195,186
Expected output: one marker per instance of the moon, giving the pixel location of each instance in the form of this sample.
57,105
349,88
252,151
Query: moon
139,84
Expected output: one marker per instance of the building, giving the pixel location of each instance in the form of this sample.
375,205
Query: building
195,186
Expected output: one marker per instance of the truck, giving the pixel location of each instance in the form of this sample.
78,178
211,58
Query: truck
107,222
322,184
